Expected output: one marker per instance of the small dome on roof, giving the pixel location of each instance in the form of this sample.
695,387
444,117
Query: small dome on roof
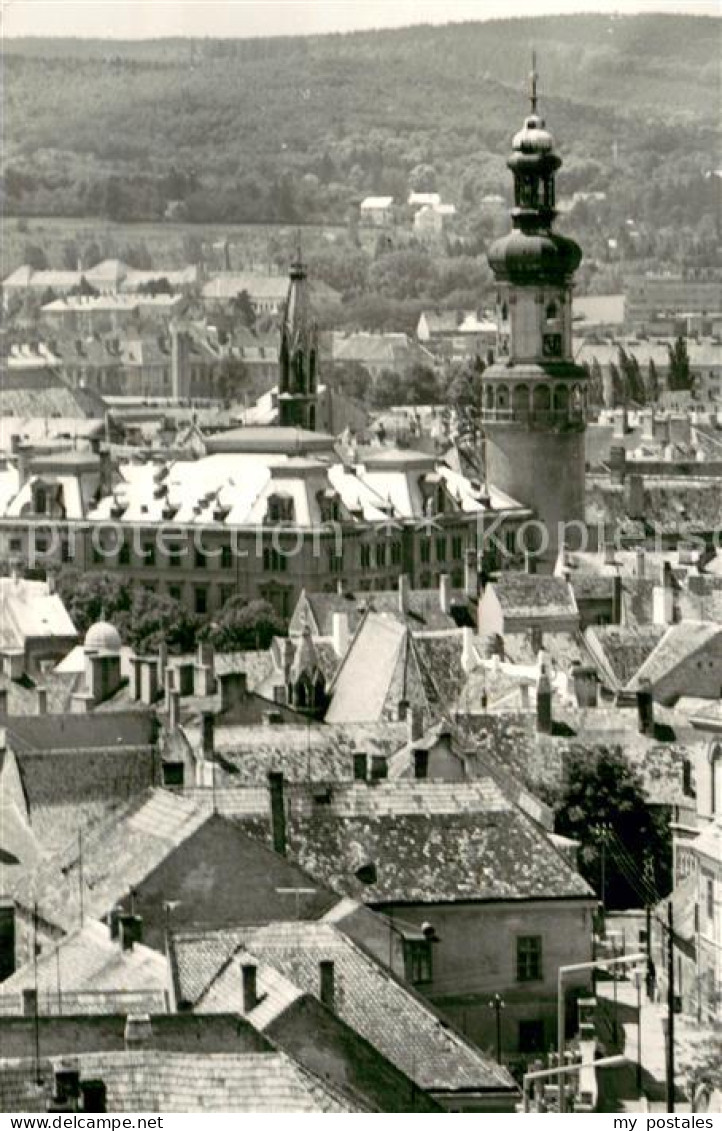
533,137
102,637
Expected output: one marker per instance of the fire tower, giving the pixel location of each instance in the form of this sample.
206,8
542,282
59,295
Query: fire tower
533,398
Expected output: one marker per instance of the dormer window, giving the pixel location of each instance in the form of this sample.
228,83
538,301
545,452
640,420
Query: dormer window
41,500
280,509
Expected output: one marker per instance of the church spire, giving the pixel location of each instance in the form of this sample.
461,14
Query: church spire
298,359
533,79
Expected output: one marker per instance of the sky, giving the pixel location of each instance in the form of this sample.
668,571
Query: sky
147,19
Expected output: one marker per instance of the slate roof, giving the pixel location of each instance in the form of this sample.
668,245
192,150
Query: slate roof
80,732
388,1013
670,506
159,1080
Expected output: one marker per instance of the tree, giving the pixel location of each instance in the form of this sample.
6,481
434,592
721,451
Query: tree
596,384
71,255
602,805
680,375
652,382
35,257
243,627
143,619
619,391
702,1064
242,309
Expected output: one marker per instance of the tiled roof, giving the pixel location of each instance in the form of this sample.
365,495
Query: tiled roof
534,595
155,1080
429,842
80,732
679,643
88,959
423,611
117,853
401,1025
623,650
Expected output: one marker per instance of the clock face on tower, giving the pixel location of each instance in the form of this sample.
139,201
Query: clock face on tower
552,345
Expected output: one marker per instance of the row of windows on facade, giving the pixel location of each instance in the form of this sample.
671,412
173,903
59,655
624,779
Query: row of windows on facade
418,959
379,555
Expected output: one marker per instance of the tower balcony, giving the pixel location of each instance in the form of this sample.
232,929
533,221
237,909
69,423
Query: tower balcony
535,404
542,420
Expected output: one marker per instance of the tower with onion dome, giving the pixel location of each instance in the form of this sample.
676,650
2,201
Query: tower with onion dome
533,396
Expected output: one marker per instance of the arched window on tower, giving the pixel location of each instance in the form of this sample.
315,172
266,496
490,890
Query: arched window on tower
298,366
520,402
552,312
541,399
312,372
561,400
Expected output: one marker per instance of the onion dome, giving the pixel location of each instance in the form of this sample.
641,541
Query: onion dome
534,257
102,637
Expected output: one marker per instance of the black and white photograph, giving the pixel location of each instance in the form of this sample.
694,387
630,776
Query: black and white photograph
360,561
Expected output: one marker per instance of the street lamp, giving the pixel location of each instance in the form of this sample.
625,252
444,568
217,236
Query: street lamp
497,1003
573,968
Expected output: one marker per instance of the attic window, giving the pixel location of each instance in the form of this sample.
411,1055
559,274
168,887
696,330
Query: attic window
418,961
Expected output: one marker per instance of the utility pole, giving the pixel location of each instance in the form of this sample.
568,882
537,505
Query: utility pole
670,1006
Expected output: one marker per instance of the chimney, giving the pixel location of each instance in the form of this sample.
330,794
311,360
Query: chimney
536,639
585,686
327,980
635,496
544,703
471,575
278,812
131,930
138,1031
184,675
645,708
208,727
529,562
641,559
617,464
204,682
249,973
360,767
403,592
421,764
620,423
415,723
445,593
135,678
648,424
3,702
234,689
148,681
179,364
174,710
114,921
617,599
608,551
662,604
340,633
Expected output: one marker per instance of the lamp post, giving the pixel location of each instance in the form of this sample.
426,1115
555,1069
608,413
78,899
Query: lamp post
497,1003
574,968
637,979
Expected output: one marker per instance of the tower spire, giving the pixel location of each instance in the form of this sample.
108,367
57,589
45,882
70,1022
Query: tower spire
533,80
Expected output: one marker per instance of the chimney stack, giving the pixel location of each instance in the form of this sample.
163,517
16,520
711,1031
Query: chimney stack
415,723
445,593
544,703
234,689
130,930
42,700
174,710
138,1031
278,812
645,708
208,729
327,979
340,633
471,575
403,593
617,599
641,560
249,972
